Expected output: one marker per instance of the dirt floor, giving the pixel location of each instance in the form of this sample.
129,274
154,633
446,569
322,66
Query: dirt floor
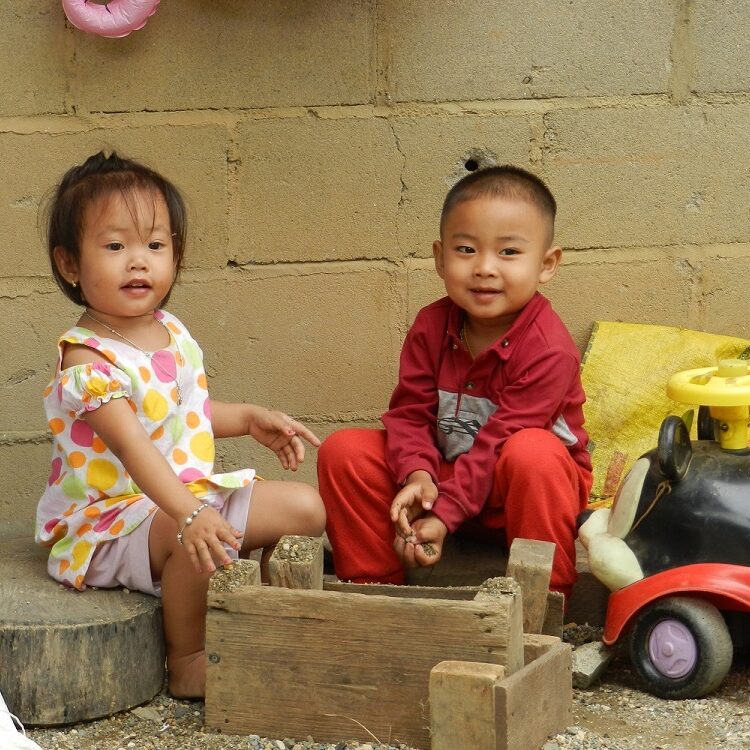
614,714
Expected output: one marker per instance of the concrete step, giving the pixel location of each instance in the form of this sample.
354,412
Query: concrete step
68,656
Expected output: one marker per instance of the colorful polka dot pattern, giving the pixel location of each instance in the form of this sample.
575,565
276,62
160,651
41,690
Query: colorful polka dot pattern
90,498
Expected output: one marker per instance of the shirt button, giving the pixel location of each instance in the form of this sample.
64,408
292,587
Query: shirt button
469,385
504,343
455,346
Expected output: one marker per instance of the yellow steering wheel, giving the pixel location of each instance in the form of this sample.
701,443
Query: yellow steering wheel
726,391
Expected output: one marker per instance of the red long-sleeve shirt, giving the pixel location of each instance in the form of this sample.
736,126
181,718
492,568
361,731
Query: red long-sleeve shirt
449,407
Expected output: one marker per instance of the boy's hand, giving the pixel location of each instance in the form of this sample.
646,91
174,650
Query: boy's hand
424,547
282,434
416,497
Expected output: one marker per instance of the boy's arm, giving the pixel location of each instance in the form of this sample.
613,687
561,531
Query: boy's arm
533,400
412,413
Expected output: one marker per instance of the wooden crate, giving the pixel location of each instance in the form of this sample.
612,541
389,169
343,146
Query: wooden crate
337,665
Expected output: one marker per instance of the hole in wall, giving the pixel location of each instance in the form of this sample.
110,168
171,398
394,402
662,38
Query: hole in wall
475,158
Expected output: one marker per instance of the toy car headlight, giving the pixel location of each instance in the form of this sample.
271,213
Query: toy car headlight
626,500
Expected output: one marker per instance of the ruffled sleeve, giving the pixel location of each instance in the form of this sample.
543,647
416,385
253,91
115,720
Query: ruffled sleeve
86,387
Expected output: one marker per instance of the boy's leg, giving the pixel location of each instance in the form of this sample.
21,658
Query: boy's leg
357,489
538,492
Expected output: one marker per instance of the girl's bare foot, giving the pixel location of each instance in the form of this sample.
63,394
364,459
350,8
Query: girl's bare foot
187,675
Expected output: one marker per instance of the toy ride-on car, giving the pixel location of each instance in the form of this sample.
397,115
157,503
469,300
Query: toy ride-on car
674,549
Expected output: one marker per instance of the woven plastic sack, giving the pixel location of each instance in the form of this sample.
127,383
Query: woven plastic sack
626,367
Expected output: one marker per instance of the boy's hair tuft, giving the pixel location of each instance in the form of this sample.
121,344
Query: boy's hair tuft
100,176
504,181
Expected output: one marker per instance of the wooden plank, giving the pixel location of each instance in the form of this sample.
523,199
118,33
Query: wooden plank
535,702
297,563
497,589
535,644
555,614
460,593
462,705
285,662
530,563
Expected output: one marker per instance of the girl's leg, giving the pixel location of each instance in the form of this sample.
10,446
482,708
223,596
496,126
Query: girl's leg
357,489
183,608
276,508
279,508
538,492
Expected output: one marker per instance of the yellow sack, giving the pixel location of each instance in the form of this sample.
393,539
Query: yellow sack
626,367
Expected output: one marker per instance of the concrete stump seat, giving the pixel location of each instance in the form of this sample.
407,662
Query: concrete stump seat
69,656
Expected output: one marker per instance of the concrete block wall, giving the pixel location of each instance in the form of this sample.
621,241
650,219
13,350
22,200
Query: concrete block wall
315,141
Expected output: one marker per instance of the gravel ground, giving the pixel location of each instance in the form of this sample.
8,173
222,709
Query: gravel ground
612,715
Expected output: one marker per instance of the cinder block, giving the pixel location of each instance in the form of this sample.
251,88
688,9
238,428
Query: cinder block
24,467
33,57
720,50
656,286
316,189
424,286
318,340
622,180
436,150
191,156
528,49
230,55
724,299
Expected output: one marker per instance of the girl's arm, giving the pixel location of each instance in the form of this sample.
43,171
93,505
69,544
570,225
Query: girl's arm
274,429
119,428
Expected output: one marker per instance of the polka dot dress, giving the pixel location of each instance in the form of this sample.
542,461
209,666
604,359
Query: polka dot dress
90,498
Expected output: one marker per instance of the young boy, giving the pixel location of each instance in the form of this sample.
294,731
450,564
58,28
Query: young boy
485,426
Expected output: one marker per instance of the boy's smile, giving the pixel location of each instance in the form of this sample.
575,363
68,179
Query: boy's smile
492,255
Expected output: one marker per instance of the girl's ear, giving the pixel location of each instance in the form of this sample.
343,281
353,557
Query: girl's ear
550,264
66,264
437,254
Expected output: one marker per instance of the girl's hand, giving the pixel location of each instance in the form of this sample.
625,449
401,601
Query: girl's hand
205,540
282,434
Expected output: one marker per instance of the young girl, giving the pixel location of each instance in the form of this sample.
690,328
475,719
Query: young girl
131,498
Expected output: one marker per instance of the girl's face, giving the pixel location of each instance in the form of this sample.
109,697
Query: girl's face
126,265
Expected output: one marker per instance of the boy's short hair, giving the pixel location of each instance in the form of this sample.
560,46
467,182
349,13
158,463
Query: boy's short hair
505,181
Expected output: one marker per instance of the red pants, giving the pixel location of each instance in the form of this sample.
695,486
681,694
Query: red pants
537,493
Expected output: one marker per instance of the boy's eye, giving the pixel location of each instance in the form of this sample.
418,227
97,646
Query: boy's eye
509,251
465,249
114,246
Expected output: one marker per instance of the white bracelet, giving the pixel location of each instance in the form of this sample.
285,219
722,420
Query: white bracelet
190,519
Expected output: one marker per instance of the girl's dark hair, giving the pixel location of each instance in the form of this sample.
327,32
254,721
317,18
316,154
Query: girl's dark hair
98,177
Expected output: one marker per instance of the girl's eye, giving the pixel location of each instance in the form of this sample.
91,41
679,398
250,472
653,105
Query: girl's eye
114,246
156,245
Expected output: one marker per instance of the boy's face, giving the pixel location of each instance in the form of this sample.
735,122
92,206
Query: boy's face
492,255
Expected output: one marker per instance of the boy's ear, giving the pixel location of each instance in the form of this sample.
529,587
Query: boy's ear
66,264
550,264
437,254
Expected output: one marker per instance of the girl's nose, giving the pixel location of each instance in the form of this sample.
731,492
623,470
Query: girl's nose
138,260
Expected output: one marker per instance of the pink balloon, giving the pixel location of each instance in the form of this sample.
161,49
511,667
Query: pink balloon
115,19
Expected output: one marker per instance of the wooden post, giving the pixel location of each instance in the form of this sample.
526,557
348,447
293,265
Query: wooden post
495,589
297,563
462,705
530,563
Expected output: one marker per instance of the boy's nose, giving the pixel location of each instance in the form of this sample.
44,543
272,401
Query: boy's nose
485,266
